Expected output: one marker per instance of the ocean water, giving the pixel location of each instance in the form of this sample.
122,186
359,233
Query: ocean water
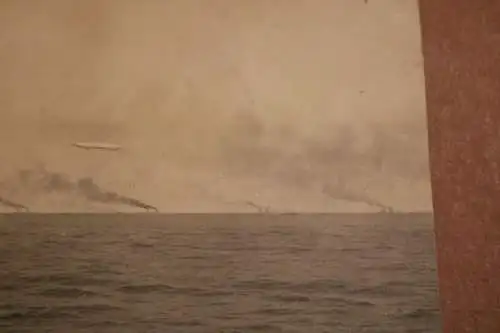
218,273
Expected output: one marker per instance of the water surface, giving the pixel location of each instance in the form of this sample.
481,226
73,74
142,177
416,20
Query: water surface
217,273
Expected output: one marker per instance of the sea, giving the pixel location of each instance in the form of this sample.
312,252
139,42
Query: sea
190,273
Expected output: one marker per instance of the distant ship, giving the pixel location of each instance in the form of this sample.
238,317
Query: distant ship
386,210
97,145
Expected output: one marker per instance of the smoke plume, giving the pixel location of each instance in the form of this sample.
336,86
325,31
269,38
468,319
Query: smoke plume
85,187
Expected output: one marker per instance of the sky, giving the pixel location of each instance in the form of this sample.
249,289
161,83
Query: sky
219,106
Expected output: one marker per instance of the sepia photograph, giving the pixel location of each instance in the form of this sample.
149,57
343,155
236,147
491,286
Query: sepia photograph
215,166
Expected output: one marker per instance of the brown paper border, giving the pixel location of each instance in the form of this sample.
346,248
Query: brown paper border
461,46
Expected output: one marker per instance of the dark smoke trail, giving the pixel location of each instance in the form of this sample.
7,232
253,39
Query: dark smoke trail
93,192
259,208
137,203
85,186
341,192
18,207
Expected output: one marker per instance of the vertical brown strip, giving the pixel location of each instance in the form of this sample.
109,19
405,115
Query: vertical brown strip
461,43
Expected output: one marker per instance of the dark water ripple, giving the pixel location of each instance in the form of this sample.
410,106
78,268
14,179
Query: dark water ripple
217,273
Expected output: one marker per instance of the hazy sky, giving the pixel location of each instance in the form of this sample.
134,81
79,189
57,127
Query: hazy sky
219,105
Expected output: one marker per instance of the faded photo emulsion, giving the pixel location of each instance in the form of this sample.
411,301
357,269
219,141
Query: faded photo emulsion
195,166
